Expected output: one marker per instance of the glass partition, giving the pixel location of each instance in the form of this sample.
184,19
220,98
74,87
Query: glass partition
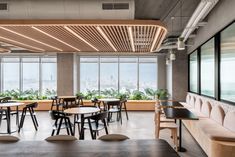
193,76
208,68
227,65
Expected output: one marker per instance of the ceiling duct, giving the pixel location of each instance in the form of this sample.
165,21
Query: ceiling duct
67,9
202,10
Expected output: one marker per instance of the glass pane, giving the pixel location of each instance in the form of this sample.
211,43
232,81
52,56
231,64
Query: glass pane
30,60
228,64
193,72
88,59
10,59
30,76
129,59
11,76
108,76
148,59
108,59
88,76
128,77
147,76
49,79
207,68
50,60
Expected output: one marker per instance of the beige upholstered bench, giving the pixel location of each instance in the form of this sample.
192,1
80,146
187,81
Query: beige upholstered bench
215,129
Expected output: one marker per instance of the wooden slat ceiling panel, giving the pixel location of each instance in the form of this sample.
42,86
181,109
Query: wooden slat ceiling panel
91,34
19,41
108,36
66,38
46,42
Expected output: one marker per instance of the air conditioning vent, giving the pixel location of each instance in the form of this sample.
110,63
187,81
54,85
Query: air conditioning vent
115,6
3,6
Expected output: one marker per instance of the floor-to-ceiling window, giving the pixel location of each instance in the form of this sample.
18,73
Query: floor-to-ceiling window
208,68
34,75
193,76
49,76
117,73
108,73
10,74
227,75
147,73
30,74
89,73
128,74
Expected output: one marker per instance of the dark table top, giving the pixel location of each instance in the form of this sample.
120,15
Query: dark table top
95,148
179,113
171,104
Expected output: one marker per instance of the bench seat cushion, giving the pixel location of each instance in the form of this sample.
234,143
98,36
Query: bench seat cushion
215,131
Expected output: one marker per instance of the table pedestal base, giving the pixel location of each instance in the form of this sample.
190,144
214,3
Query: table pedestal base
182,149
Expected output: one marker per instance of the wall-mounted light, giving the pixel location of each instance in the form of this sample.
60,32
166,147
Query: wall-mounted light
172,55
167,61
180,44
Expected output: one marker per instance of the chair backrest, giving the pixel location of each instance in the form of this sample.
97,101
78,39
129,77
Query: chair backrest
56,114
5,99
9,138
54,100
158,112
113,137
69,102
32,105
80,100
61,138
99,116
114,103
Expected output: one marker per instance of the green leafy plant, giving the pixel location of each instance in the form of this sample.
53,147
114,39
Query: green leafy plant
162,94
138,95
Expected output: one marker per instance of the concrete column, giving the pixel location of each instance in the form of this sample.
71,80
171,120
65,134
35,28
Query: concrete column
65,74
161,72
180,76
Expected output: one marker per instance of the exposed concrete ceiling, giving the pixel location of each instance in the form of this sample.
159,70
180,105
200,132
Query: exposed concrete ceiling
165,10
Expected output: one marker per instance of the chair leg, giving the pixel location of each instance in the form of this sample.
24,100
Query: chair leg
58,129
35,118
1,113
176,139
91,131
17,116
126,111
55,124
105,127
157,132
22,119
70,127
120,115
66,125
34,123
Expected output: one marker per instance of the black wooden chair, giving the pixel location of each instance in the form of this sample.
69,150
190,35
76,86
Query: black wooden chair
80,100
96,126
96,103
30,108
59,117
114,107
77,120
56,103
70,103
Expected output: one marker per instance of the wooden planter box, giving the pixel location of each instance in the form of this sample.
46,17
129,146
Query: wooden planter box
132,105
